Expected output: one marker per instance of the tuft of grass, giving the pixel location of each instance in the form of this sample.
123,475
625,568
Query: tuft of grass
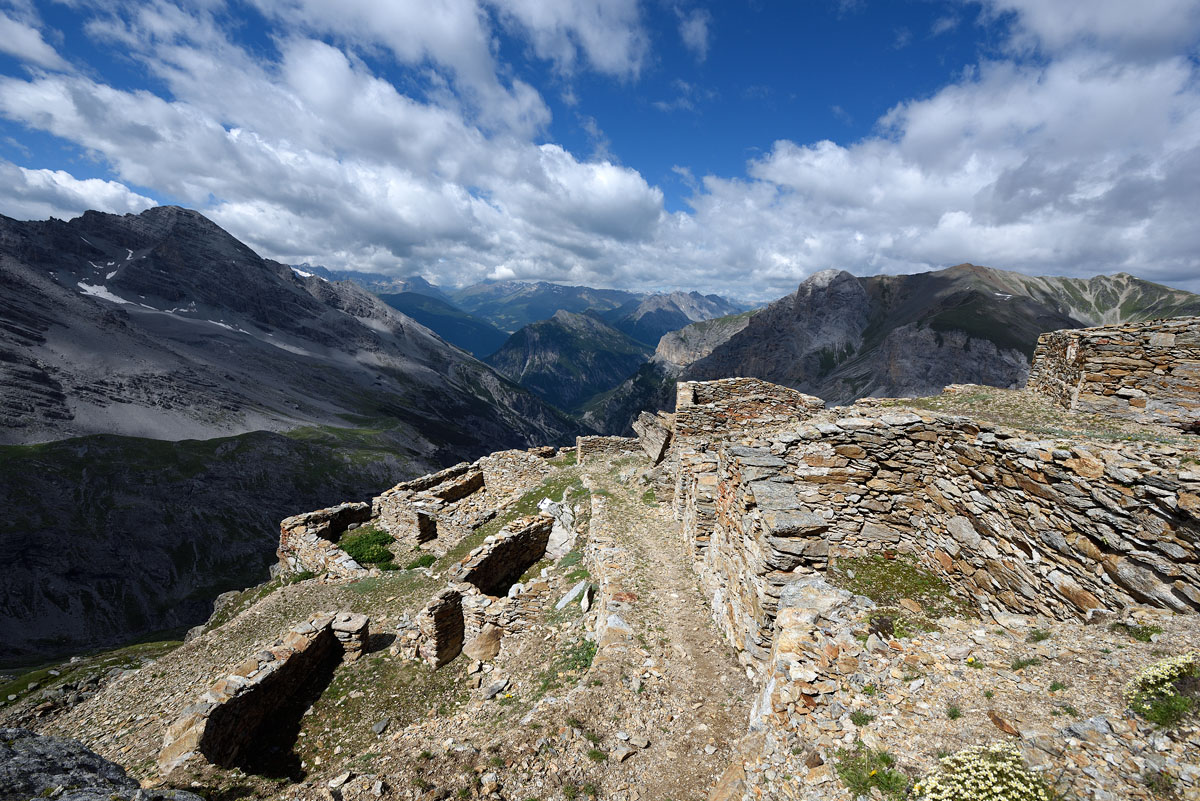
649,498
368,546
954,712
1159,783
1139,633
870,690
596,755
864,768
1023,662
573,661
885,581
424,560
1055,686
1037,635
860,718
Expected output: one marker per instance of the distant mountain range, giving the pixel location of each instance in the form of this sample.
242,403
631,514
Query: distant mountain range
843,337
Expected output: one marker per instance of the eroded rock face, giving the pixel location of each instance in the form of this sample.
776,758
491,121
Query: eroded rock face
33,766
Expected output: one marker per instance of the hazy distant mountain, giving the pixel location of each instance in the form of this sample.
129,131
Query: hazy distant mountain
127,331
569,358
648,319
375,282
452,324
509,305
843,337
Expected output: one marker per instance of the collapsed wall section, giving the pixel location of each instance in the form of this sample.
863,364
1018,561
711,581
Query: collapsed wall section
1149,371
1019,525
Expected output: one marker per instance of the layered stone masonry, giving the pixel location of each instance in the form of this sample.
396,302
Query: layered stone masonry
707,412
497,564
1149,371
1034,527
441,628
603,447
483,593
439,510
308,542
225,725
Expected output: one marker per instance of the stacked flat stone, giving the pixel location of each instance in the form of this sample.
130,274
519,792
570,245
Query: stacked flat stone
1025,526
223,725
308,542
603,447
441,627
1148,372
494,566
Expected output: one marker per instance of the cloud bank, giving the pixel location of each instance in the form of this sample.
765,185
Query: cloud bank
1074,150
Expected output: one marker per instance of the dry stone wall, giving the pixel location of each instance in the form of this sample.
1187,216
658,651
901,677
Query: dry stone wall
497,564
707,412
603,447
226,725
1020,525
438,510
1146,371
308,542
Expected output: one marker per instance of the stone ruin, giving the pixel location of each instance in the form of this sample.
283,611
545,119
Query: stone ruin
770,490
1019,525
480,600
1148,371
308,542
603,447
434,512
237,717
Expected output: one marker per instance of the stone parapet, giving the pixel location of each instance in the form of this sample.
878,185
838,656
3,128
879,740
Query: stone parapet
497,564
1019,525
603,447
1149,372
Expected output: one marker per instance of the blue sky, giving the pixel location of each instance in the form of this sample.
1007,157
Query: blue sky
735,147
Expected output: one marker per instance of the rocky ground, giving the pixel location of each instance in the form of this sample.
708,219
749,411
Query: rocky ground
627,692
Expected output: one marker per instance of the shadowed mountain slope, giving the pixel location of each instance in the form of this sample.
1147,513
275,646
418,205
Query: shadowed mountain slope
167,396
568,358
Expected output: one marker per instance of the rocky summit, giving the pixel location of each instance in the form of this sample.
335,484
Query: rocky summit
759,597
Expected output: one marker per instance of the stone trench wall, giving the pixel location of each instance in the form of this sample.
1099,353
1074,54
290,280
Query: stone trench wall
497,564
442,508
603,447
1146,371
1024,526
224,726
705,413
309,541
